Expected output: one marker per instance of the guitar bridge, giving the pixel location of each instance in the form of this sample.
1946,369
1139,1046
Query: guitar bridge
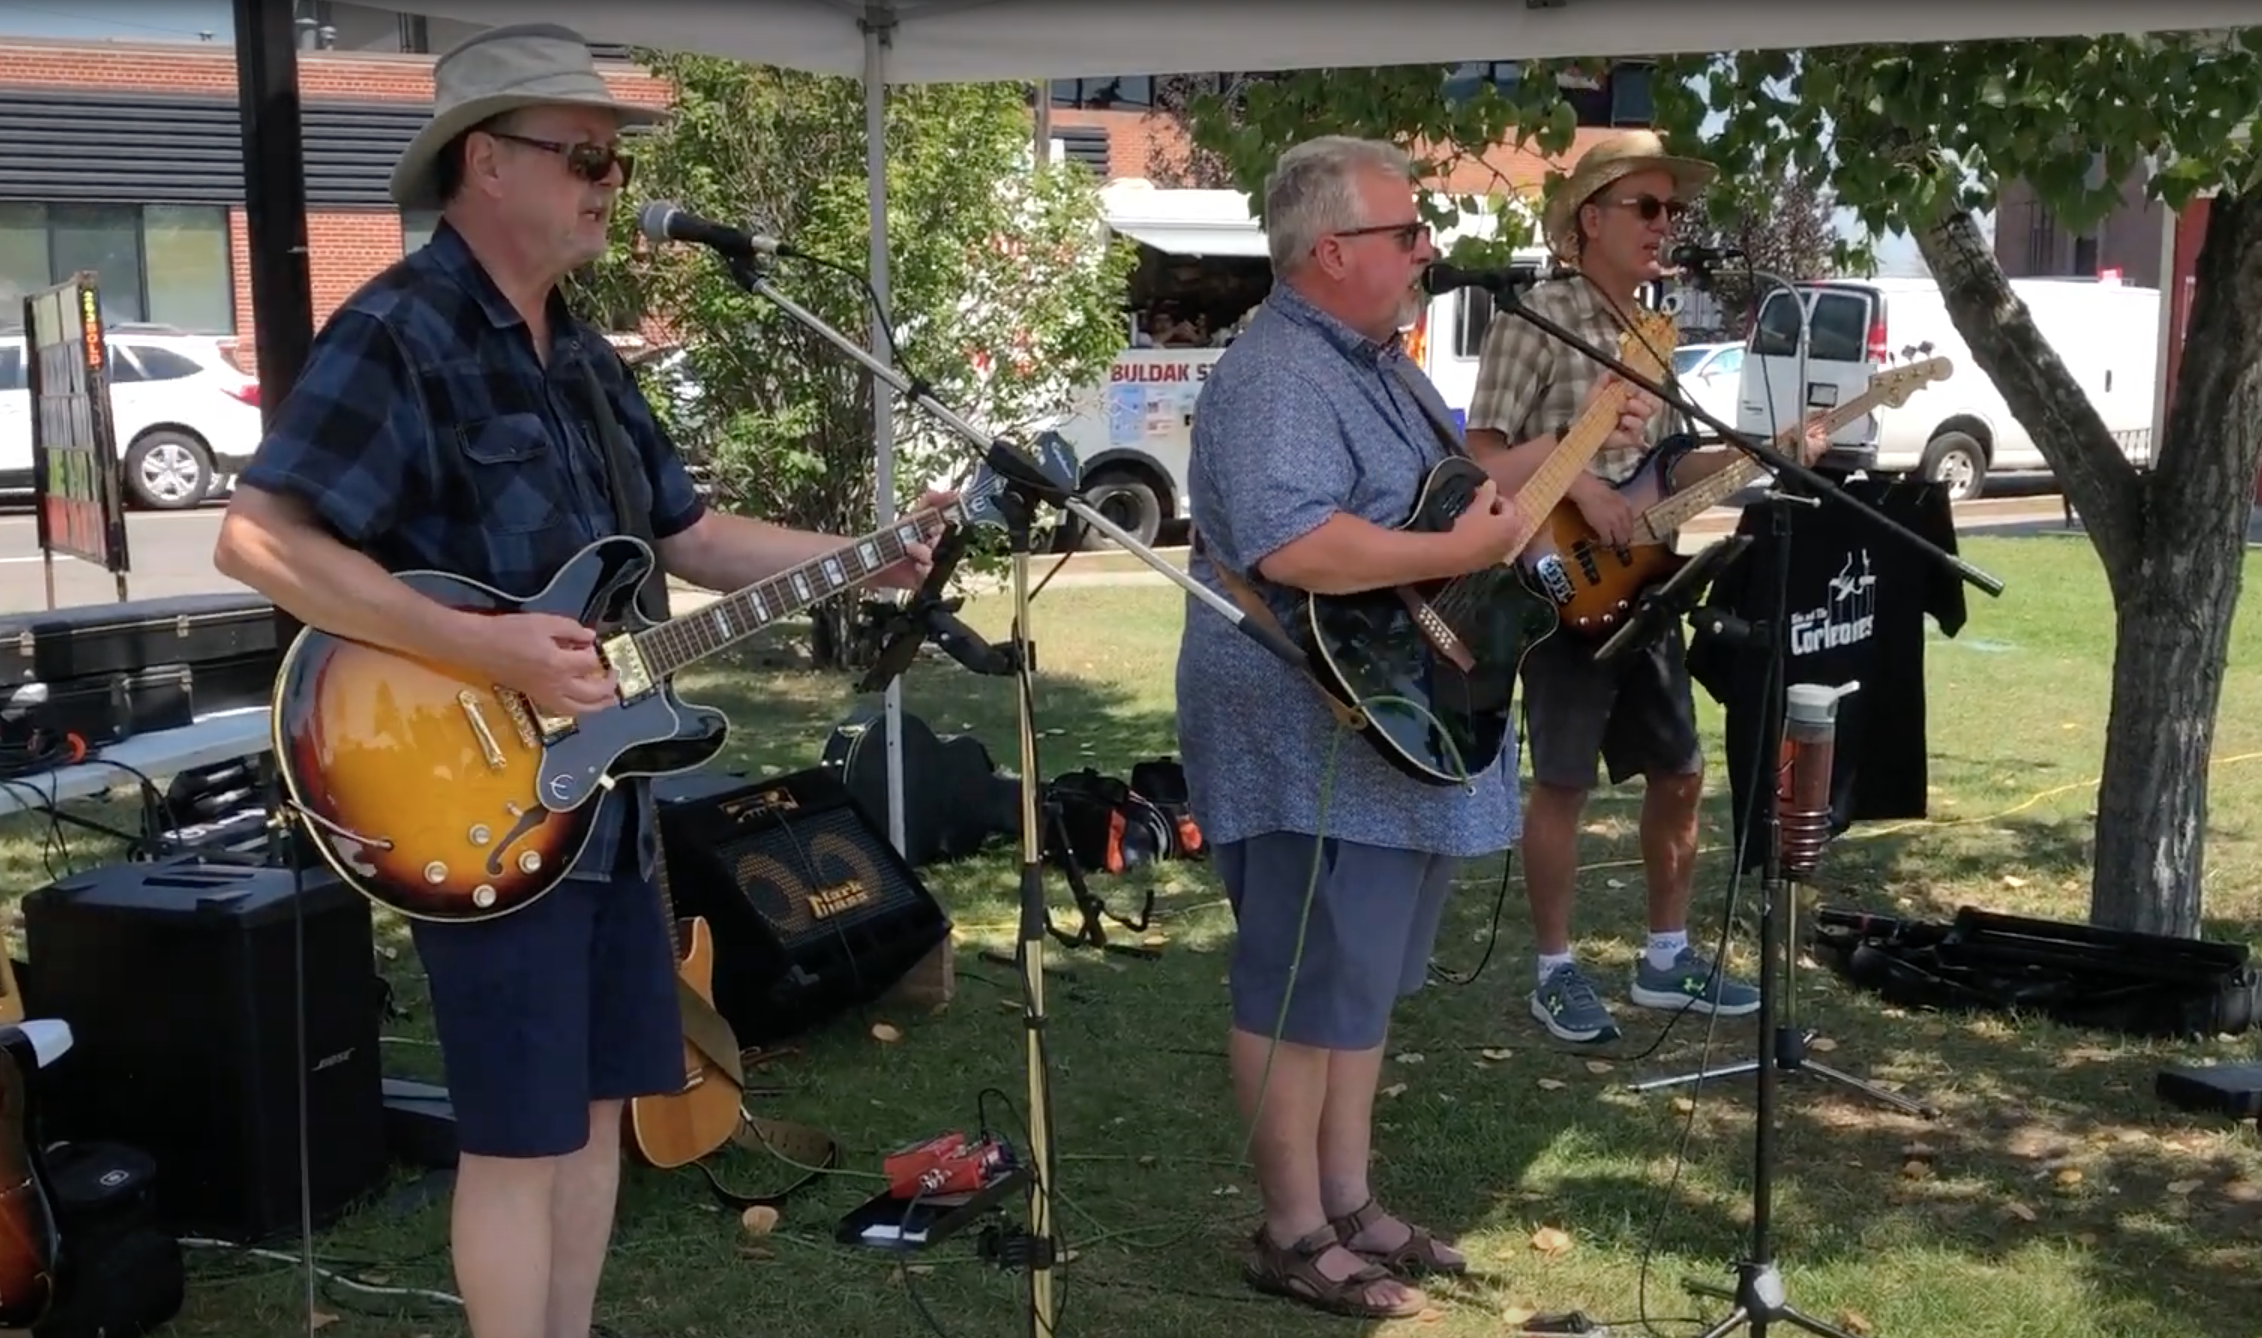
1441,637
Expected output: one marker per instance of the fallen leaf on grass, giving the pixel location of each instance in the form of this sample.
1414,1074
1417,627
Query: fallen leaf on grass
1614,883
759,1220
1598,1066
1430,1315
1225,1192
2019,1211
1916,1170
1516,1316
1154,940
2069,1177
320,1319
1856,1323
1394,1089
921,1269
1147,1160
1683,1106
2086,1238
1498,1054
888,1035
1551,1241
1409,1057
2013,880
2184,1186
1551,1084
1822,1045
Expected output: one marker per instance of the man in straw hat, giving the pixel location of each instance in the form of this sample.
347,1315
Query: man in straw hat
454,415
1609,221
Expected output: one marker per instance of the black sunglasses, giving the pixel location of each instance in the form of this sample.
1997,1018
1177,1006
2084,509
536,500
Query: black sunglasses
591,162
1649,207
1408,234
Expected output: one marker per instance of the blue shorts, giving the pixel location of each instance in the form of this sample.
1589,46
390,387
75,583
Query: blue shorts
569,1001
1367,941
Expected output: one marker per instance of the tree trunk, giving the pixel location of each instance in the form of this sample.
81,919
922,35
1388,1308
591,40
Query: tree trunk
2172,542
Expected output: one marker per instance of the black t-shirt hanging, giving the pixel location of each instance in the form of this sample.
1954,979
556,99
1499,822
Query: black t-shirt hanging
1858,601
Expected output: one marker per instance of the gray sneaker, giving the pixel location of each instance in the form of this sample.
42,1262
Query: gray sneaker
1571,1009
1692,984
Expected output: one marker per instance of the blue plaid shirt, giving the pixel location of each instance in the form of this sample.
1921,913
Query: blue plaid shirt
425,432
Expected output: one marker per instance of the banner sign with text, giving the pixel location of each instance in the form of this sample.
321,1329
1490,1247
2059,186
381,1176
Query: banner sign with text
77,483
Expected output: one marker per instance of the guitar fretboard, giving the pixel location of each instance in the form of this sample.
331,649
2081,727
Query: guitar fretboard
681,641
1551,482
1657,524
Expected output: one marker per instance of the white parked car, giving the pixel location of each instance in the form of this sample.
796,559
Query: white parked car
1710,375
183,415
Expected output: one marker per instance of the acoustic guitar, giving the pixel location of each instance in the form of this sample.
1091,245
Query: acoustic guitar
680,1127
1597,587
1432,668
447,797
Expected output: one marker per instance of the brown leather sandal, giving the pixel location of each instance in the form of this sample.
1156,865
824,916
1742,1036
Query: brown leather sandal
1416,1257
1293,1272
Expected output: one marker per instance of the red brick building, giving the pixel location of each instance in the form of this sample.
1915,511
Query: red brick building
126,159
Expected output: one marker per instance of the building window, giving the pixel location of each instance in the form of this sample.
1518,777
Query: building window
417,227
159,263
1127,92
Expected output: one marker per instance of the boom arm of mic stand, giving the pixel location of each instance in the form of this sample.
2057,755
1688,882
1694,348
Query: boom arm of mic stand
1016,468
1783,466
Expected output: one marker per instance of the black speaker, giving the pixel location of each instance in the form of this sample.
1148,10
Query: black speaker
813,911
178,981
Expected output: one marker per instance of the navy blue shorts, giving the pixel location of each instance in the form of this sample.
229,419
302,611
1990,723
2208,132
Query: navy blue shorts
1366,944
545,1010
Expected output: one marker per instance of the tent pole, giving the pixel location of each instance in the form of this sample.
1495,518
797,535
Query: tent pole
876,35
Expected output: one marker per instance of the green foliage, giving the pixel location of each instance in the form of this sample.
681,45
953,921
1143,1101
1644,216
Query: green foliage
991,265
1908,133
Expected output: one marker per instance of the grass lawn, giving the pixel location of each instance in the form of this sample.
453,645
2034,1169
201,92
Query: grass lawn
2056,1196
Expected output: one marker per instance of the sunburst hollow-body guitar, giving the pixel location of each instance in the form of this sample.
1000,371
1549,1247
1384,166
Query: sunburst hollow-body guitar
1595,587
446,797
1432,668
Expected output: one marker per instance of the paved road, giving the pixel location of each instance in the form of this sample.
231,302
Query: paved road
172,555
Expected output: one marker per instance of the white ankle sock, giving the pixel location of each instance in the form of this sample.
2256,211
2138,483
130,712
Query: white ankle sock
1548,961
1665,949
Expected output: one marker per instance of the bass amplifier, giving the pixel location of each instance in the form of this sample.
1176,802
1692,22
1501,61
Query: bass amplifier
813,912
179,981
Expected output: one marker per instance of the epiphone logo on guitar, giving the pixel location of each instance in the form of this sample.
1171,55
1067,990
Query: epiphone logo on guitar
827,902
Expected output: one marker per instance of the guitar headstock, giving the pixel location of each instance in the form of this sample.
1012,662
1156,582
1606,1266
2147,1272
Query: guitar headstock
1648,343
1053,456
1894,385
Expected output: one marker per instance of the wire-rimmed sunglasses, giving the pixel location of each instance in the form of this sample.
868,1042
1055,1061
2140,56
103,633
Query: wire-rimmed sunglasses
591,162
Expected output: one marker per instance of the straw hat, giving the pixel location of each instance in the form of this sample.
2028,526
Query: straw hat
1604,166
496,71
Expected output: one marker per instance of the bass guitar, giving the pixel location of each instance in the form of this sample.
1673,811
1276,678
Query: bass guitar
1596,587
447,797
1431,669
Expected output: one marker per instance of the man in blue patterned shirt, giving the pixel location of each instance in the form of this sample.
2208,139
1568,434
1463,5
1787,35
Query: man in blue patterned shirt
1311,441
444,421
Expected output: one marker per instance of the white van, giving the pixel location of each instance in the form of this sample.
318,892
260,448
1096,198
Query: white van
1202,250
1959,430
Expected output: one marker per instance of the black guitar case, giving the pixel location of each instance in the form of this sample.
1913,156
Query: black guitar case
954,800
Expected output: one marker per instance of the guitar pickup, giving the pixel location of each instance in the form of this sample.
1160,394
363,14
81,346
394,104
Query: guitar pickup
1441,637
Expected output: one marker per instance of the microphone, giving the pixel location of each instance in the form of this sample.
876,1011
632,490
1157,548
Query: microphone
1443,278
1693,256
665,221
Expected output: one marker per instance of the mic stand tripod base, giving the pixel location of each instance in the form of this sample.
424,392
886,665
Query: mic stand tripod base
1760,1300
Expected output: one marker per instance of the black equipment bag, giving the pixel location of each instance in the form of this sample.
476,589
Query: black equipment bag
121,1274
1102,824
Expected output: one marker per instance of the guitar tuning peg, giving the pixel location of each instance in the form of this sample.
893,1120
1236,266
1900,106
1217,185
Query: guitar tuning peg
1925,347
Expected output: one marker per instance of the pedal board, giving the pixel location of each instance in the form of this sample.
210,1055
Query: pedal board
2213,1089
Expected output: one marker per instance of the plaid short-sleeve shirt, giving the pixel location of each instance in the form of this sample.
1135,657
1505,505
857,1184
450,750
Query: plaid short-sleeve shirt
425,432
1530,384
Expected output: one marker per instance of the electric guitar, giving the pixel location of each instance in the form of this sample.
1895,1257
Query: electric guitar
1596,587
31,1241
1432,668
447,797
680,1127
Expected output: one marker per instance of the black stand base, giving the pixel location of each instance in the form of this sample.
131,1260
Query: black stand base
1760,1300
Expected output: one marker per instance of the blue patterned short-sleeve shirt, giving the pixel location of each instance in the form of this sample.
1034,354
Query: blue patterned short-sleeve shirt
1301,418
425,432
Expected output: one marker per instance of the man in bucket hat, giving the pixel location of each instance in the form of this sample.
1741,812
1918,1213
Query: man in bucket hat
1609,221
453,416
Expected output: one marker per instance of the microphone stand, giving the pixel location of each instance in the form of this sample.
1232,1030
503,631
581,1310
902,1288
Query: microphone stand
1760,1297
1027,484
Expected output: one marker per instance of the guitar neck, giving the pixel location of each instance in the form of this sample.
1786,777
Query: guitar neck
1552,481
671,646
1660,521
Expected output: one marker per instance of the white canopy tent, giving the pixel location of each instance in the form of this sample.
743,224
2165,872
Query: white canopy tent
954,41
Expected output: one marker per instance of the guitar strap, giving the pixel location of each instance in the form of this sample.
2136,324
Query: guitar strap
1252,604
812,1151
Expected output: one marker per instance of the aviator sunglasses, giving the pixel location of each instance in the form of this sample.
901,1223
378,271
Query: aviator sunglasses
591,162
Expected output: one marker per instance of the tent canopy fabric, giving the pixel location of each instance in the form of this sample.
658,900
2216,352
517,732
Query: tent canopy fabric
945,41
